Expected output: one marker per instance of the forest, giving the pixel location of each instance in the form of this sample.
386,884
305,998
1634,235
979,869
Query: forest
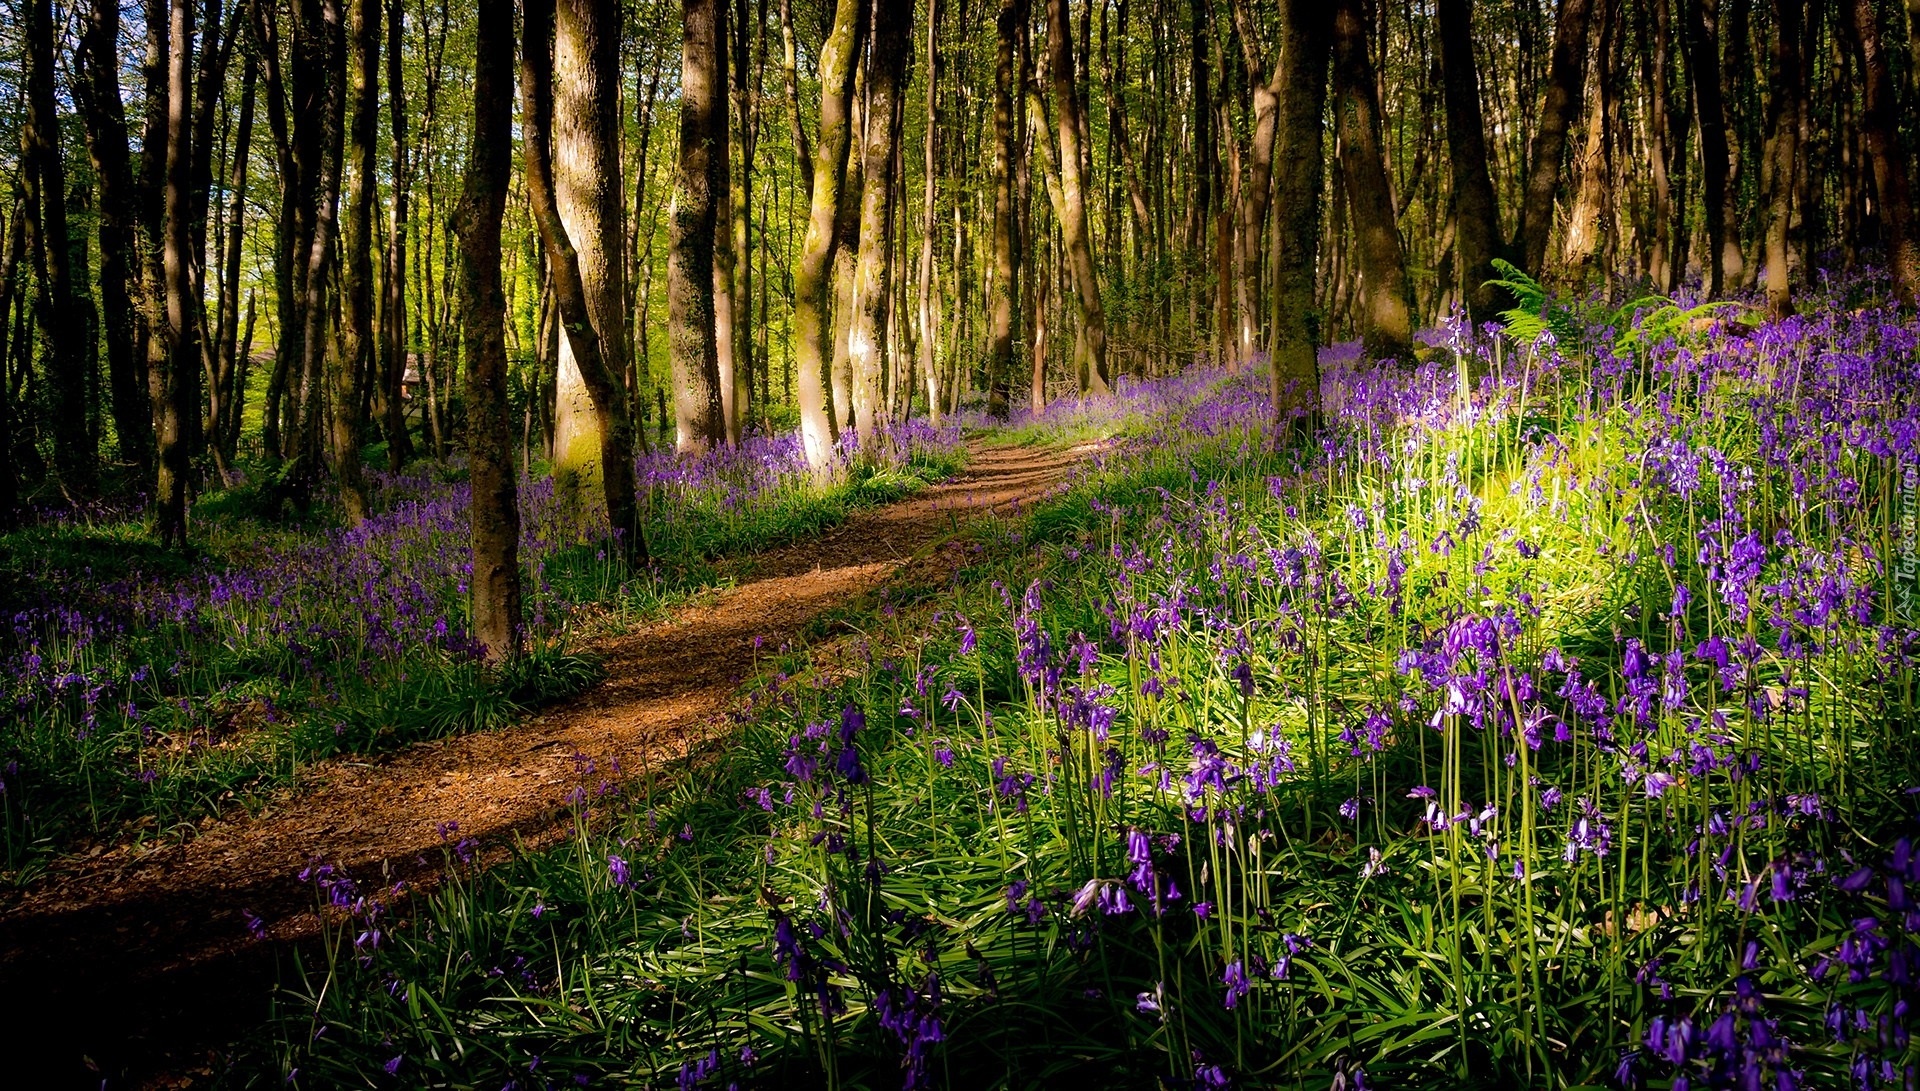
960,543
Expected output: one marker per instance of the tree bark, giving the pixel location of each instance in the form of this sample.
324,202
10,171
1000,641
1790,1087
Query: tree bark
393,312
1566,77
1387,324
1006,268
1710,115
592,321
97,91
1475,209
1086,278
1879,123
355,355
495,514
719,168
1258,184
813,333
1306,30
886,91
182,331
44,183
929,223
694,322
1784,107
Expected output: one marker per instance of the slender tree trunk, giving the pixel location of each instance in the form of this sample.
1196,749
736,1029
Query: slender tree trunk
1879,124
1566,76
694,321
1258,184
44,183
393,312
183,308
355,354
1387,327
1784,107
224,405
592,320
1306,29
97,91
929,222
1476,211
320,106
716,163
1005,287
1086,278
1593,180
495,513
813,333
886,89
1703,64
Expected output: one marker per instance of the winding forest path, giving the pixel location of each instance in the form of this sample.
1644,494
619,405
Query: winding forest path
134,967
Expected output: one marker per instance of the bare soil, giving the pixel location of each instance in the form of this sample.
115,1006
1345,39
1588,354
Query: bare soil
134,967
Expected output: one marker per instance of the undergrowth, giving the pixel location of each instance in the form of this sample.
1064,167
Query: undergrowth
1553,730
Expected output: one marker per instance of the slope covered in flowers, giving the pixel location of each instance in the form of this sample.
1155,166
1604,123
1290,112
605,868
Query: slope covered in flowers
1546,717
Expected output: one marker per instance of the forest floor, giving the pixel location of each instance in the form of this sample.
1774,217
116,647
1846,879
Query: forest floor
134,965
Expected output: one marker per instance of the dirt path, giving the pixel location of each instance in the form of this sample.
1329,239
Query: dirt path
122,965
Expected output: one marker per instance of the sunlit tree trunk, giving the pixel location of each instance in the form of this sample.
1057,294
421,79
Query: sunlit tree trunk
1006,270
929,223
495,513
813,332
716,160
1387,322
586,30
355,355
1258,185
886,91
1566,77
695,324
1073,227
592,438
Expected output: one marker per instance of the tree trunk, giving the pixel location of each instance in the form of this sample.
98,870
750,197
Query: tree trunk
393,312
44,183
495,513
355,354
1566,76
1257,186
1593,178
716,158
1387,326
813,333
97,93
183,308
1005,288
1086,279
592,319
694,321
1784,107
1879,123
886,91
1703,64
1476,211
1306,30
929,223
